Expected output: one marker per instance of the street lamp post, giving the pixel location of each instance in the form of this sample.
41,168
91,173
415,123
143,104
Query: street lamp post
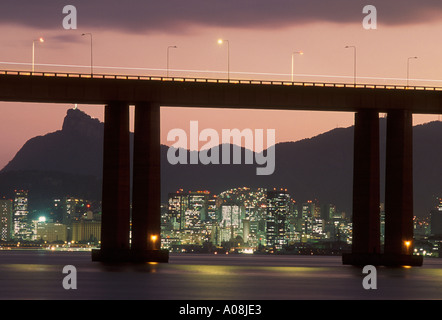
293,59
92,68
408,68
354,63
174,47
40,40
221,41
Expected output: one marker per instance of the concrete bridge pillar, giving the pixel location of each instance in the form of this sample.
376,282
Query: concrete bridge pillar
366,189
145,243
366,183
115,224
398,192
146,197
399,186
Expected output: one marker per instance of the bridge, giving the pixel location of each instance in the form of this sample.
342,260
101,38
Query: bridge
147,94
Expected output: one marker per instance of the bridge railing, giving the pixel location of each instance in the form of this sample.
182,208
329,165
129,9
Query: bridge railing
213,80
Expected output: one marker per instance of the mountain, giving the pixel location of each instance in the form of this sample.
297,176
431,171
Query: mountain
69,162
75,149
65,162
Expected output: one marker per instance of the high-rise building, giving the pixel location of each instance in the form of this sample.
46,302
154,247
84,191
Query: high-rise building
278,212
328,211
318,229
231,221
211,209
190,215
197,209
307,217
74,209
188,209
254,203
436,218
6,225
20,215
177,205
57,210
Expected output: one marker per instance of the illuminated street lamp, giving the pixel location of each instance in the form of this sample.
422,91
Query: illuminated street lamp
154,239
407,244
354,62
408,68
92,69
221,41
169,47
40,40
293,59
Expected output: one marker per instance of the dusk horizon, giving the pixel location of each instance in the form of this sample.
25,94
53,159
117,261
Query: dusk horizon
8,152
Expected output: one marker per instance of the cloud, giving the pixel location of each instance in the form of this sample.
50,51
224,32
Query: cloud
139,16
65,37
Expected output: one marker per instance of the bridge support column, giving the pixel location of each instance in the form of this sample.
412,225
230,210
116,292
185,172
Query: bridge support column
366,190
399,190
146,197
115,225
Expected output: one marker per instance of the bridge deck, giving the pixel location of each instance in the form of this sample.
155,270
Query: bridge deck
61,87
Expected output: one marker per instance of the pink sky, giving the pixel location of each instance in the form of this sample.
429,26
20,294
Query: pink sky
255,53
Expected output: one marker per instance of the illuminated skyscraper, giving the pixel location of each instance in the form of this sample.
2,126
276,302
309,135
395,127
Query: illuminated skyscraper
191,215
436,219
328,211
20,215
197,209
231,223
73,209
307,217
177,205
278,212
5,219
242,212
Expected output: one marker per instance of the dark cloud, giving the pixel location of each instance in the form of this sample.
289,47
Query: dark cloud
178,15
65,37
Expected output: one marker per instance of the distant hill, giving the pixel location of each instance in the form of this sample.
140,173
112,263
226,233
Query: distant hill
69,162
75,149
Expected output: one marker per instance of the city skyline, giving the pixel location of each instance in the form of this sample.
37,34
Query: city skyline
256,51
238,220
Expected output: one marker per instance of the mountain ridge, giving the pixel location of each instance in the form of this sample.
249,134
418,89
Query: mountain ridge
320,167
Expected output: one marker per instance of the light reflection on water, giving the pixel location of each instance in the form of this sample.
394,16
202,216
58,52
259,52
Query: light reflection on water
38,275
